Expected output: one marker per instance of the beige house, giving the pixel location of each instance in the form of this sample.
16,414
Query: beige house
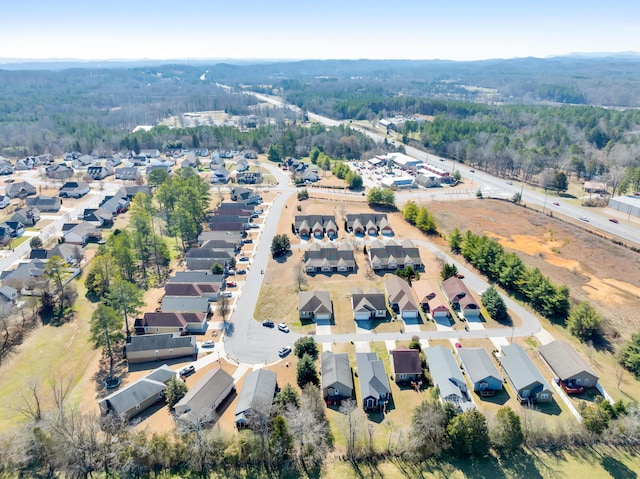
157,347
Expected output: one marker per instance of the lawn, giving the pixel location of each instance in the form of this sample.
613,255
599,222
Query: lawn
66,353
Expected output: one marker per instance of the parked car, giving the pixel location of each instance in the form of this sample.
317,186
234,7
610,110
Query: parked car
187,371
248,241
253,225
228,294
460,276
613,220
267,323
241,271
9,180
283,327
232,284
282,352
244,259
231,272
208,344
472,171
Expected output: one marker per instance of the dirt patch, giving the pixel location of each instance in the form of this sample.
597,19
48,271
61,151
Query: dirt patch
593,268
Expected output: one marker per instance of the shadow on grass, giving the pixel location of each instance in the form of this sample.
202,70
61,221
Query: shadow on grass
378,416
617,469
482,468
230,328
500,397
521,464
551,408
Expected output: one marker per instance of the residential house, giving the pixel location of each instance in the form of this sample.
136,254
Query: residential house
374,384
227,208
428,180
256,396
227,236
568,365
183,305
6,168
216,161
245,196
59,172
249,154
406,365
151,169
74,189
98,217
115,205
336,377
329,258
46,204
26,216
400,297
79,233
157,347
460,297
481,370
197,277
170,322
83,161
134,398
393,255
8,293
370,305
371,224
522,374
128,174
230,227
150,153
203,401
242,165
205,290
4,201
10,230
220,175
28,275
446,375
130,191
431,298
20,189
316,225
205,258
315,305
27,163
100,172
71,254
249,177
310,176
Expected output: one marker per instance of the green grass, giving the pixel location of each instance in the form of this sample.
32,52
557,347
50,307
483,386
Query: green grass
49,353
18,241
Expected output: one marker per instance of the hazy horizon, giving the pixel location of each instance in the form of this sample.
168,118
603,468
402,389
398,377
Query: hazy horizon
121,30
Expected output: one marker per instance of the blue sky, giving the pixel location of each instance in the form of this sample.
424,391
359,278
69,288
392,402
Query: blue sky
249,29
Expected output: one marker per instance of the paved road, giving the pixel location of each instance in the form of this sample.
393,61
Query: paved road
490,185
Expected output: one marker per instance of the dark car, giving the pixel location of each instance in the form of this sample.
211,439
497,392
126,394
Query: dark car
241,271
188,371
268,323
248,241
613,220
243,259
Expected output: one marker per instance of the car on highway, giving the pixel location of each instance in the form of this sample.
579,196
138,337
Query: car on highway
460,276
208,344
555,203
584,218
510,182
283,327
472,171
232,284
613,220
282,352
187,371
267,323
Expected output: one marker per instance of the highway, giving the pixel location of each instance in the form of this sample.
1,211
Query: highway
490,186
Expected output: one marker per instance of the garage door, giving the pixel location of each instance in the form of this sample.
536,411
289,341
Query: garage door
410,314
362,316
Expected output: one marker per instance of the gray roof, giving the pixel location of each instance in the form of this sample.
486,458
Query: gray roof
372,301
206,392
196,277
402,252
318,302
520,368
135,393
478,364
564,360
446,374
257,393
336,369
151,342
184,304
400,292
372,375
330,254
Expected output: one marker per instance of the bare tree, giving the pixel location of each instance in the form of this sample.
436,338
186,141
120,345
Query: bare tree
31,407
60,390
300,276
224,307
351,424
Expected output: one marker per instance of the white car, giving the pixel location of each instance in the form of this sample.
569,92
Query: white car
282,352
208,344
283,327
584,218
